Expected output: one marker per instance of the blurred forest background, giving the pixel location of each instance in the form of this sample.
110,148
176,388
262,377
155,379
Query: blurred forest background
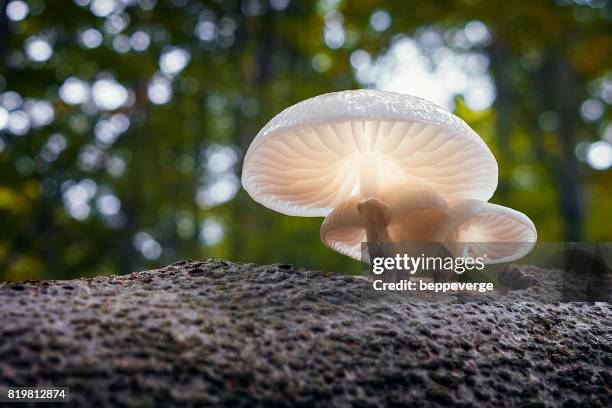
123,122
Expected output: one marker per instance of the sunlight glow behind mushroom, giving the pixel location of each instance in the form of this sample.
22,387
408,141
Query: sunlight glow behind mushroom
408,68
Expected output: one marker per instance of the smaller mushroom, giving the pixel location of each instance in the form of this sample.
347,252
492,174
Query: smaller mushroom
410,214
482,229
416,214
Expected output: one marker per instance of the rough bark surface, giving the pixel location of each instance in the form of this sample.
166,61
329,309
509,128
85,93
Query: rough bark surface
218,333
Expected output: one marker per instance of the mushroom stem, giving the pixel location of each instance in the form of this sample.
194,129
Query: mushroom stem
374,211
376,219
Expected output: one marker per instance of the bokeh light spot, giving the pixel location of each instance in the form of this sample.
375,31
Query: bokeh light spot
592,110
173,60
38,49
91,38
159,90
380,20
599,155
211,232
17,10
74,91
109,94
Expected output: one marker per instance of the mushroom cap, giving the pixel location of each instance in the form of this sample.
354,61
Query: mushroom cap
305,161
481,228
415,214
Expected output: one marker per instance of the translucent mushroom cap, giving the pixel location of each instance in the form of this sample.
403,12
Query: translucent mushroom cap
307,159
497,233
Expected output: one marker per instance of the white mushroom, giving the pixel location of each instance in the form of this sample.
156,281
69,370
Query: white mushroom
497,233
416,215
343,150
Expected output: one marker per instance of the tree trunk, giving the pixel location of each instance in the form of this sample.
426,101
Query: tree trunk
215,333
